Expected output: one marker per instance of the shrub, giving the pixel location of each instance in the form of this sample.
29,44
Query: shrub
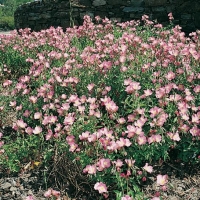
7,23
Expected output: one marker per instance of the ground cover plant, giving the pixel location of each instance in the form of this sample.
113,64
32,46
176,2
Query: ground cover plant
101,103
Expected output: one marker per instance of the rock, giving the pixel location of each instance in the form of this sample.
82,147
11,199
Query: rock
154,3
6,185
99,2
133,9
13,189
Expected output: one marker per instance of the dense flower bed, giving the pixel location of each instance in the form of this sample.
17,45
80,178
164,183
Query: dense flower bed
115,98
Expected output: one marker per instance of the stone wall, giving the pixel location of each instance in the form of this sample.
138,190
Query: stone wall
42,14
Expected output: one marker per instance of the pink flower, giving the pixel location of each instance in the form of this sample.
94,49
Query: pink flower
111,107
33,99
37,115
148,168
121,142
84,135
131,131
147,92
48,193
122,58
157,138
103,164
101,187
141,140
69,120
121,120
70,139
160,93
131,117
126,197
170,18
55,193
162,179
1,143
29,130
155,198
30,197
132,87
155,111
118,163
7,83
92,138
130,162
13,103
90,86
174,136
195,131
73,147
197,89
37,130
140,122
21,124
195,119
90,169
26,113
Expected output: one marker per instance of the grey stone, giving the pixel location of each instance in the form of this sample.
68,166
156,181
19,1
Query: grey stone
155,2
158,9
99,2
137,3
186,16
13,189
133,9
6,185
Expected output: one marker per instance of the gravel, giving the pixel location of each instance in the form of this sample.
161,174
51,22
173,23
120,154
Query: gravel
19,188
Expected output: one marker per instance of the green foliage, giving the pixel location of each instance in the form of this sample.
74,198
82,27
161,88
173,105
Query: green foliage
7,13
7,22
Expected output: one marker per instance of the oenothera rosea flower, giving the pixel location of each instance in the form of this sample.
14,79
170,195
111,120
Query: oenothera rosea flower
33,99
90,86
142,140
29,130
7,83
21,124
148,168
69,119
118,163
1,144
174,136
90,169
37,115
50,192
37,130
123,142
30,197
1,134
84,135
12,103
111,107
101,187
126,197
162,179
155,198
103,164
129,162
